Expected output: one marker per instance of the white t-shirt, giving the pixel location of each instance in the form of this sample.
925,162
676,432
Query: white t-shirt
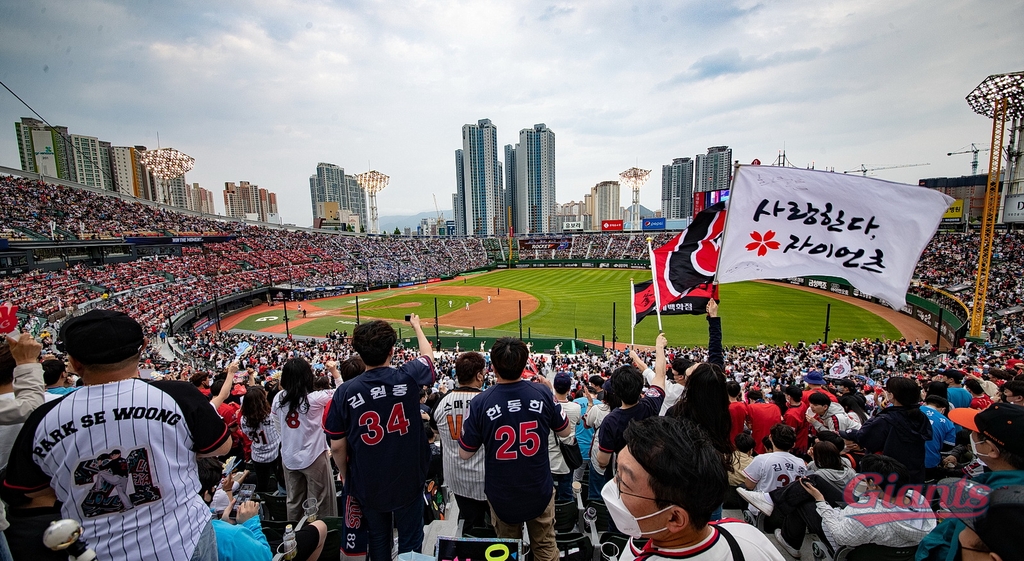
8,433
302,434
673,391
754,545
773,470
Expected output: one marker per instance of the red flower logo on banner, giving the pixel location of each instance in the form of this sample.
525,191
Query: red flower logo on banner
762,243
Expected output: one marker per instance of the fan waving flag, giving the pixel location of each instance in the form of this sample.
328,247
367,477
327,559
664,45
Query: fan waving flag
689,259
694,301
789,222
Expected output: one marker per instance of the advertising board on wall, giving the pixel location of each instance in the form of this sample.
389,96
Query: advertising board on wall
1013,210
611,225
653,224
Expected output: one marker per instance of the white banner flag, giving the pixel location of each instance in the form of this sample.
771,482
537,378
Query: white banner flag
789,222
840,369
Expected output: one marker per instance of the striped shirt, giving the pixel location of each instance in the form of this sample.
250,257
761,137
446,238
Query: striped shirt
121,458
464,477
266,439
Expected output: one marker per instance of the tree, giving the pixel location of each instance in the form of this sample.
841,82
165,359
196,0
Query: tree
362,229
397,231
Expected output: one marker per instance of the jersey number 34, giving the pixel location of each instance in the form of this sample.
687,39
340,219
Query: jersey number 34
397,422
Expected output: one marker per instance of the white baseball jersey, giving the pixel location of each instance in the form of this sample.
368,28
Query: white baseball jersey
754,546
464,477
266,439
773,470
121,458
302,433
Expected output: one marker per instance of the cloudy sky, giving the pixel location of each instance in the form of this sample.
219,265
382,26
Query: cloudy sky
263,90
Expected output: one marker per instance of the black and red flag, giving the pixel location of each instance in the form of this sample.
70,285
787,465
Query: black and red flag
684,268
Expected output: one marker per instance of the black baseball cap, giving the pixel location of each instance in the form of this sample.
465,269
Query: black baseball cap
999,525
1002,423
101,337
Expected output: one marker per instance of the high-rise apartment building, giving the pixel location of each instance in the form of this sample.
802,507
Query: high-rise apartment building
714,169
44,150
605,201
200,200
331,184
677,189
92,161
249,201
129,174
459,198
481,180
511,187
535,180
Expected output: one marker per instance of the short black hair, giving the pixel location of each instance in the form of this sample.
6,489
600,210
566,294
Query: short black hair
794,391
974,386
892,471
1016,387
52,370
818,398
834,438
627,383
509,356
744,442
683,467
374,341
937,401
210,470
351,367
783,437
733,388
680,365
468,365
904,390
755,395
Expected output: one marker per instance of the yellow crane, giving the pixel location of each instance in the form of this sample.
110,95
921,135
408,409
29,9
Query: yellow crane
998,97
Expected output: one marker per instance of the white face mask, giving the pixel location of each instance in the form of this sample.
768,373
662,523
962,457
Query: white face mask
977,455
624,520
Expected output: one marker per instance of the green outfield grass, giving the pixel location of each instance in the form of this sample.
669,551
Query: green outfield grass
578,299
751,312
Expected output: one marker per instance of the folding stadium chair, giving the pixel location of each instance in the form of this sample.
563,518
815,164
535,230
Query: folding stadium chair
273,507
566,514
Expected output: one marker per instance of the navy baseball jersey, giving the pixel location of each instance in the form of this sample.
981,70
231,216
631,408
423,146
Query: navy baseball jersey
512,422
121,458
612,436
378,413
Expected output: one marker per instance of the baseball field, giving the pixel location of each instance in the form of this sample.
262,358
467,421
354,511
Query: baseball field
560,303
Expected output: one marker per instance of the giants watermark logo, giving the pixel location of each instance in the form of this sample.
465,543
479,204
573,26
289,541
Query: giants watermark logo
884,503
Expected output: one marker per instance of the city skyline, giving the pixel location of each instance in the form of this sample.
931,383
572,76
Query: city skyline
387,86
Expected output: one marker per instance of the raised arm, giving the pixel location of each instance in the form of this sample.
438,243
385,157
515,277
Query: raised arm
28,380
225,389
421,339
716,354
659,361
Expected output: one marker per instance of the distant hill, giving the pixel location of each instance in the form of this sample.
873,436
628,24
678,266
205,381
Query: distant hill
389,223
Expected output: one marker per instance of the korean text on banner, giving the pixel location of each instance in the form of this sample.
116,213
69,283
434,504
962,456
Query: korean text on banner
788,222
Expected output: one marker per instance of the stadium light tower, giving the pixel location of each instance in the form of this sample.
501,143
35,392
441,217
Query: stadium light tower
374,182
999,96
166,164
634,178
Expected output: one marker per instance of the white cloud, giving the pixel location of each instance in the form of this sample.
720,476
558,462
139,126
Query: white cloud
262,91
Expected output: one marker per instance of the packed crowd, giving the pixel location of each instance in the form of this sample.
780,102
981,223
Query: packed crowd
660,441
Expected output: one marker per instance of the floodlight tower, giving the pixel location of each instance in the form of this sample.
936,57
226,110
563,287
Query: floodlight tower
634,178
166,164
374,182
999,96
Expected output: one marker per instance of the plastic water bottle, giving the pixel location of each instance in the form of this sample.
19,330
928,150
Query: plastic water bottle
288,544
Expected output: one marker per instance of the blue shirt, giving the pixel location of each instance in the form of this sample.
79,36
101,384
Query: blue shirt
959,397
943,432
584,435
512,422
378,413
243,541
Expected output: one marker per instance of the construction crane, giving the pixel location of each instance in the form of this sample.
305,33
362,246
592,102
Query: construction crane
440,217
863,170
973,150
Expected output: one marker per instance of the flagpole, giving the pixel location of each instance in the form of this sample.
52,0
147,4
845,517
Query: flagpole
632,311
654,277
725,227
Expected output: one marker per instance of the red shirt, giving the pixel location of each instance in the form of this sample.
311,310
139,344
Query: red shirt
763,416
805,400
981,402
796,418
739,412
